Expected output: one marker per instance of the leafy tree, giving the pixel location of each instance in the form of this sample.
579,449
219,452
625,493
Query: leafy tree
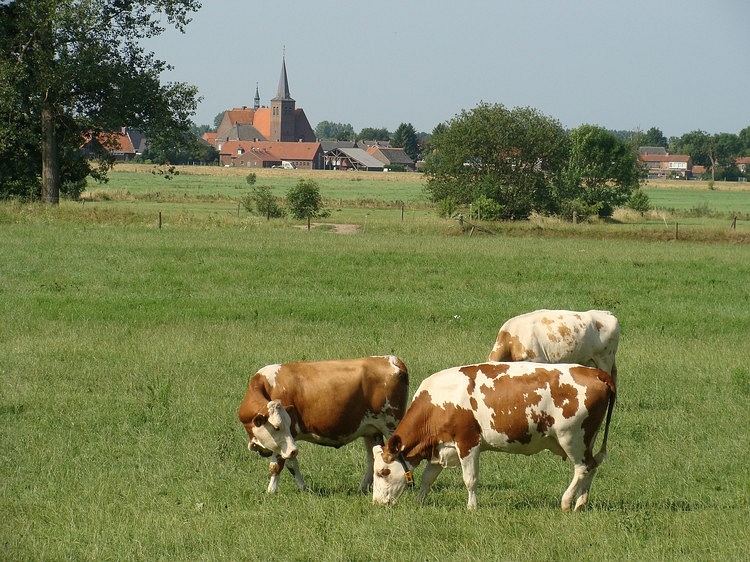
264,201
602,171
72,68
653,137
327,130
166,150
406,137
368,133
695,144
305,201
509,156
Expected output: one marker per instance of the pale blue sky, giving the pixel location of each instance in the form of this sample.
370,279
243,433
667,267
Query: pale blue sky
628,64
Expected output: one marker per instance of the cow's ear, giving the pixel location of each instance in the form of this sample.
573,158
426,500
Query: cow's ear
394,445
259,420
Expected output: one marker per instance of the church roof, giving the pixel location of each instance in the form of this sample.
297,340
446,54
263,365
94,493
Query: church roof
283,92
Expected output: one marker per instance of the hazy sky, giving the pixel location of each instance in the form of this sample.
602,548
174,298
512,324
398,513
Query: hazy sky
629,64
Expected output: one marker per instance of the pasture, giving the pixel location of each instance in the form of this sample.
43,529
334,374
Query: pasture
126,350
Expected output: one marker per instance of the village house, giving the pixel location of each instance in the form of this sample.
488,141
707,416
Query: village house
660,164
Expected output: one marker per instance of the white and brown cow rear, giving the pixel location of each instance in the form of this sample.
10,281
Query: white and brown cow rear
560,336
325,402
512,407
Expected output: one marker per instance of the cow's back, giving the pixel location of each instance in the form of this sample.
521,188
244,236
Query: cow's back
514,406
335,402
588,338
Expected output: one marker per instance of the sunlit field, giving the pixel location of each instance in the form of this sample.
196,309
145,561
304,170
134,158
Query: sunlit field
127,345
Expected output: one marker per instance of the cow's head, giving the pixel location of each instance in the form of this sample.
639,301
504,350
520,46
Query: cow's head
391,476
270,433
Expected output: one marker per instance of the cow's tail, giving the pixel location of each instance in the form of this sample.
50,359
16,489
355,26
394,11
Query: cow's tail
601,456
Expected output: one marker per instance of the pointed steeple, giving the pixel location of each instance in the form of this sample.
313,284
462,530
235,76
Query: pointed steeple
283,91
256,101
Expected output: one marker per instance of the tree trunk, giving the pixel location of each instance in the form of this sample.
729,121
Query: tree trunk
50,157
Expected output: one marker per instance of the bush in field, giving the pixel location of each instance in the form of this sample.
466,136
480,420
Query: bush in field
263,201
446,207
305,201
487,209
251,178
639,202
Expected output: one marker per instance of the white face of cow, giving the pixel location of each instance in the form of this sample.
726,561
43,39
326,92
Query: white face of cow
272,433
390,479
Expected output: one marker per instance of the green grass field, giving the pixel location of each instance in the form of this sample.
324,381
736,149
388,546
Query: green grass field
126,350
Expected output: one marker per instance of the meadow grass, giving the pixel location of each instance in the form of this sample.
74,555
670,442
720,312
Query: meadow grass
127,348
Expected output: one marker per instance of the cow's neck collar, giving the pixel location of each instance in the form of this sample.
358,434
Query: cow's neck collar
407,469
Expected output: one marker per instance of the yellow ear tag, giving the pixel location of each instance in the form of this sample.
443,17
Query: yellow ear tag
409,477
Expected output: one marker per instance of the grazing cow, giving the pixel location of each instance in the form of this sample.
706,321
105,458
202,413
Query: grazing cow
513,407
560,336
326,402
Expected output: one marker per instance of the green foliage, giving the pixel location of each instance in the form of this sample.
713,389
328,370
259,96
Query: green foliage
506,155
75,69
405,137
264,202
251,178
371,133
305,201
602,171
328,130
487,209
653,137
639,202
446,207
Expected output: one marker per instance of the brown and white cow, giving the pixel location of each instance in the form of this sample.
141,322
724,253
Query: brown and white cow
325,402
560,336
512,407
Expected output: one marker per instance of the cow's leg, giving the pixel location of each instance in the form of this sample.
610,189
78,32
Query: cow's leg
579,487
470,470
429,474
275,467
293,466
366,484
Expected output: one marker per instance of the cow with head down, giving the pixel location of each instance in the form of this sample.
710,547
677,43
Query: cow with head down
325,402
519,408
560,336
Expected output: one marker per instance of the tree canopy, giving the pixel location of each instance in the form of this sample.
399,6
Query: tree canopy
405,137
505,155
328,130
378,134
512,162
601,173
74,69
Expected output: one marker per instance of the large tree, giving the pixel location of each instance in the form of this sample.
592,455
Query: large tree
328,130
72,69
601,173
405,137
510,156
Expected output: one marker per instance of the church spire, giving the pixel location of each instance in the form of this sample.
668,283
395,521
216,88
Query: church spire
256,101
283,91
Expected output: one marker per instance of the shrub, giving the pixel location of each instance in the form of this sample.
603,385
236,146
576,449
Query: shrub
263,201
446,207
639,202
488,209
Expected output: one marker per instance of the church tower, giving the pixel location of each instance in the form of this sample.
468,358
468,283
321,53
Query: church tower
282,111
256,101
